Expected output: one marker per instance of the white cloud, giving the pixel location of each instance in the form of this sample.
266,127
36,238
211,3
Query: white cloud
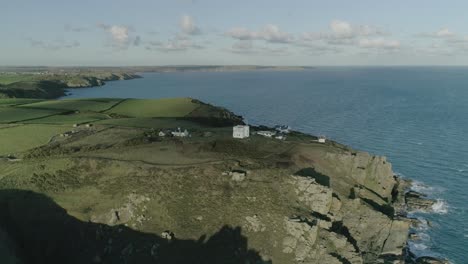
345,30
342,29
441,33
188,26
445,32
379,43
269,33
247,47
179,43
120,36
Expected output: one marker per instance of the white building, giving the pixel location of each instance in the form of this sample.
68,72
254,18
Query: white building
180,133
161,133
322,140
283,129
266,133
241,131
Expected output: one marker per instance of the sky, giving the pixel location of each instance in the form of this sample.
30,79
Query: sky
221,32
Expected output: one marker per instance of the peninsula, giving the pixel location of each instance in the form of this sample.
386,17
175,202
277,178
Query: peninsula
112,181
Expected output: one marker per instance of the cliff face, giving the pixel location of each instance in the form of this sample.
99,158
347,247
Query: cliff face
321,207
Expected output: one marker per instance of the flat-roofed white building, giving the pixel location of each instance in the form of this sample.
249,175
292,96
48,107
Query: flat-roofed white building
241,131
266,133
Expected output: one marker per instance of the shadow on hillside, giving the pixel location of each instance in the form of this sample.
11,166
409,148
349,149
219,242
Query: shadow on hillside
40,231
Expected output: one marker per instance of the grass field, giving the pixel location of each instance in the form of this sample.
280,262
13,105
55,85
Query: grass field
16,114
171,107
69,119
21,138
94,105
8,78
146,122
17,101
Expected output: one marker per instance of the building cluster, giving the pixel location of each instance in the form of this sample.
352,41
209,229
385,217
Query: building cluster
174,133
243,131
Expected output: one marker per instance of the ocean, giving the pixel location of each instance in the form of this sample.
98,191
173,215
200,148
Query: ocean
416,116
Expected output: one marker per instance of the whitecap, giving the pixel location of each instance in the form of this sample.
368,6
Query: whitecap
440,207
417,247
420,187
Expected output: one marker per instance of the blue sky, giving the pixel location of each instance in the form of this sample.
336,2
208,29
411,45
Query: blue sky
260,32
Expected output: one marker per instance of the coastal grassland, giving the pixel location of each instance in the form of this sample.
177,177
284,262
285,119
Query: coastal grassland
7,78
17,101
17,114
73,118
167,107
23,137
94,105
149,122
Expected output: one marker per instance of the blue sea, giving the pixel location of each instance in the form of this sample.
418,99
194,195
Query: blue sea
416,116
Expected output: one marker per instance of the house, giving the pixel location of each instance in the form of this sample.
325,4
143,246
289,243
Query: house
283,129
321,139
280,137
161,134
241,131
180,133
266,133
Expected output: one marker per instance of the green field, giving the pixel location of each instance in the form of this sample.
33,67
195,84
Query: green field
170,107
26,124
94,105
17,101
21,138
78,118
17,114
8,78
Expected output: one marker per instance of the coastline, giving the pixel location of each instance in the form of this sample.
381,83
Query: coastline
349,198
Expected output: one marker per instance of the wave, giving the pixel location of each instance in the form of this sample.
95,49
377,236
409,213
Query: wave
420,187
440,207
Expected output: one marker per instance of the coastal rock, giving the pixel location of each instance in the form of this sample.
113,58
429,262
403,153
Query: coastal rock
431,260
254,224
312,195
129,211
300,240
372,231
418,201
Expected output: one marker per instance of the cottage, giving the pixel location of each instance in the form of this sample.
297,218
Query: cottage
266,133
322,139
280,137
241,131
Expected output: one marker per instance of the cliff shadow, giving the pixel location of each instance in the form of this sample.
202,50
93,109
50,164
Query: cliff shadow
40,231
317,176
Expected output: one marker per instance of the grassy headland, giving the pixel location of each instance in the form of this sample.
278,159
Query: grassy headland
99,169
49,85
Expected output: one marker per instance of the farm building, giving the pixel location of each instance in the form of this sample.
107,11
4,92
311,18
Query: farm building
241,131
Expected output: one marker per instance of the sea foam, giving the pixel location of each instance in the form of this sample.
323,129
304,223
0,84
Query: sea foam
440,207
